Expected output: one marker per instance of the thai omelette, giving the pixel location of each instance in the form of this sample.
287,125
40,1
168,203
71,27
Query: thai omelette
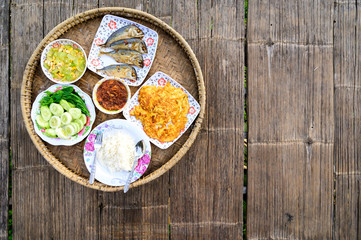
162,111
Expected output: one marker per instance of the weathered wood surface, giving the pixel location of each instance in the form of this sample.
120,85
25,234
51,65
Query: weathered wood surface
347,26
26,32
206,187
66,210
303,162
291,120
4,117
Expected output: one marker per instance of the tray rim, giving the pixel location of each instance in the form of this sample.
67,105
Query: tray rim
55,33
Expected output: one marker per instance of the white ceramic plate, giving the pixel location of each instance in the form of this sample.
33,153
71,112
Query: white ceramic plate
56,44
117,178
161,79
109,25
74,139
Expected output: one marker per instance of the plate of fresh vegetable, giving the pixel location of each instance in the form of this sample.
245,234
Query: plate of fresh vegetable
63,115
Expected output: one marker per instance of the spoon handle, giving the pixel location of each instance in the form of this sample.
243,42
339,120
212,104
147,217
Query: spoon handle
130,176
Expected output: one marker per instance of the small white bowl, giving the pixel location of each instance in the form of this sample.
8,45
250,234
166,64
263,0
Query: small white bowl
95,100
53,44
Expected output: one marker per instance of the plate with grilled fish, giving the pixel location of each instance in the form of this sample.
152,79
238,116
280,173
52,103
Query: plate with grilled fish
163,109
123,49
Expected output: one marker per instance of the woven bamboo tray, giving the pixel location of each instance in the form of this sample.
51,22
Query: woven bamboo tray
174,57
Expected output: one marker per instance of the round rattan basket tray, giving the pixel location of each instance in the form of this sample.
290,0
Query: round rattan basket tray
174,57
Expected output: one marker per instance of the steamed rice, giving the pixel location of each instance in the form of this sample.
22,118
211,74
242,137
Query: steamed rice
117,151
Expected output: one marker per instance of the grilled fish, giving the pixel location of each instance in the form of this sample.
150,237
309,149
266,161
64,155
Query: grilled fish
126,32
125,56
120,71
133,44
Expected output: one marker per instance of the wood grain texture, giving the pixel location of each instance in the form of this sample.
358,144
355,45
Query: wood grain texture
29,203
162,9
347,26
4,118
25,36
304,114
303,22
82,6
206,187
136,4
348,207
74,209
291,120
61,11
289,196
141,213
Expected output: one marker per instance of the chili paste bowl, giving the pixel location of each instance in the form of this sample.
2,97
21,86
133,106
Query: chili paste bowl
111,95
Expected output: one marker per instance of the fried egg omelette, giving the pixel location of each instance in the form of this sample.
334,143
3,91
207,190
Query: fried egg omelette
162,111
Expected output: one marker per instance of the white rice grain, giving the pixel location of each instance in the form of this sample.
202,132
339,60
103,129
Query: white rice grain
117,151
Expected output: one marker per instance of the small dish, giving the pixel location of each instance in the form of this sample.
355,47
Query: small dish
117,178
160,79
55,44
98,105
110,24
74,139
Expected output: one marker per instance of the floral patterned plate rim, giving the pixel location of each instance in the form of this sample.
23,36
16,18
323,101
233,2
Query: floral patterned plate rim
117,178
56,44
110,24
35,110
161,79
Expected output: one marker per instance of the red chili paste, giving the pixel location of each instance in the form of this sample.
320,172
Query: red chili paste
112,95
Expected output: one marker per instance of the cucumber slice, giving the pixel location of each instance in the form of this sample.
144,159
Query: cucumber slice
50,133
76,126
69,130
80,124
71,105
61,133
41,122
55,122
45,113
65,118
65,104
83,119
56,109
75,113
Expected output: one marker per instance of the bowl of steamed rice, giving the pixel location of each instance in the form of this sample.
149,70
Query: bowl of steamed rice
115,158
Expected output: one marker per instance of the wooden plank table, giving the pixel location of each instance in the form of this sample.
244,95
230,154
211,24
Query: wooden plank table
303,167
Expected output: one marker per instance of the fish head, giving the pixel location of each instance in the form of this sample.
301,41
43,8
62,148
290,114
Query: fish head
144,47
135,32
130,73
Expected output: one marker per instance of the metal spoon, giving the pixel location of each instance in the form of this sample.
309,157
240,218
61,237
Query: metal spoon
139,152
